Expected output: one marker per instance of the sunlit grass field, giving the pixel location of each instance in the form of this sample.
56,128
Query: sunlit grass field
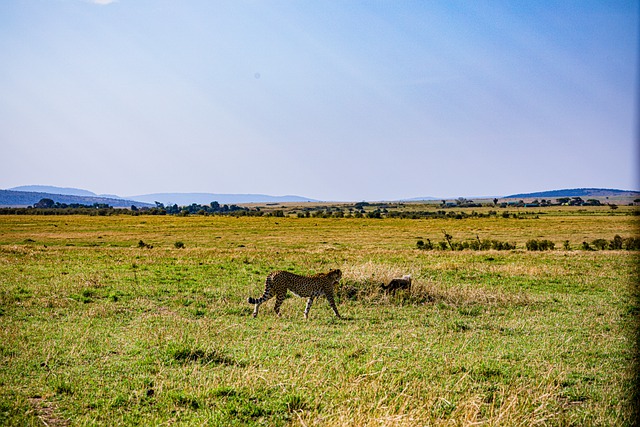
98,329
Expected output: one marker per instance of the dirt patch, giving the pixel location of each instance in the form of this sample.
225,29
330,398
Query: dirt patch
46,412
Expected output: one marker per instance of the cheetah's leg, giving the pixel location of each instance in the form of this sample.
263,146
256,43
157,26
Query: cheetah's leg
279,300
332,303
255,309
308,307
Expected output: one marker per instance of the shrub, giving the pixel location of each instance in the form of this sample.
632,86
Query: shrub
504,246
600,244
178,245
616,243
485,244
632,244
540,245
142,244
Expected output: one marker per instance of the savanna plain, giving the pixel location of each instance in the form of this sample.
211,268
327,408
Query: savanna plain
143,320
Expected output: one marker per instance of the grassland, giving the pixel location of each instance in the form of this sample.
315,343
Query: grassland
97,330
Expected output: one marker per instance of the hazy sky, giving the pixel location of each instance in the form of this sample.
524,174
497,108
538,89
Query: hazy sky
334,100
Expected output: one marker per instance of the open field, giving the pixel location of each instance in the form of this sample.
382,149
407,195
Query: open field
97,330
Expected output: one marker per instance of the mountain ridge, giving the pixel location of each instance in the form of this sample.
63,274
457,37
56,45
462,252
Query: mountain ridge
576,192
28,195
29,198
66,191
184,199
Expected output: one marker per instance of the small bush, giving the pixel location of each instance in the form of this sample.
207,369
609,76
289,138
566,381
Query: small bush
178,245
428,245
616,243
540,245
600,244
503,246
632,244
143,245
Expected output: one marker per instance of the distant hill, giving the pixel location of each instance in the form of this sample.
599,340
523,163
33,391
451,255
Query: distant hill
185,199
576,192
53,190
181,199
420,199
29,198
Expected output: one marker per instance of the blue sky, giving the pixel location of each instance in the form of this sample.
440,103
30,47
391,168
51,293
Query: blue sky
333,100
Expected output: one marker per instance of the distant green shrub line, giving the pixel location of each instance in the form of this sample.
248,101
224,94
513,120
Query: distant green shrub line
617,243
474,244
110,211
384,212
233,210
356,210
91,211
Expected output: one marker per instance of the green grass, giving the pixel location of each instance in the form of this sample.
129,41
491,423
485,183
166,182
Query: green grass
97,330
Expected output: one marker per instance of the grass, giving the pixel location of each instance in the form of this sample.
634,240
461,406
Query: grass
97,330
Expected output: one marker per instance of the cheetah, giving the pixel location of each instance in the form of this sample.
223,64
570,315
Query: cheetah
278,282
395,284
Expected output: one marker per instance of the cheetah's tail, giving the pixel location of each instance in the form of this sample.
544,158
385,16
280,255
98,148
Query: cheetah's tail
265,296
260,300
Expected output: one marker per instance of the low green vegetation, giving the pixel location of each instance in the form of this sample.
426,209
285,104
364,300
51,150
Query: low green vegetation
143,320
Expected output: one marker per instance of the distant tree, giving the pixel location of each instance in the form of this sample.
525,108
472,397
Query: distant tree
495,202
616,243
45,203
173,210
448,237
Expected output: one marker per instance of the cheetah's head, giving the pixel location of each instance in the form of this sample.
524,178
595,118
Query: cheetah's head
335,275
